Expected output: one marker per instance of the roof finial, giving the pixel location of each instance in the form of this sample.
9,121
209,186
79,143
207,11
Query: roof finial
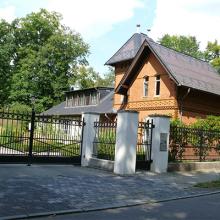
138,28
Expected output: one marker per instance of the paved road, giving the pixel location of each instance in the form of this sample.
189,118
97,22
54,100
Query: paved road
51,188
199,208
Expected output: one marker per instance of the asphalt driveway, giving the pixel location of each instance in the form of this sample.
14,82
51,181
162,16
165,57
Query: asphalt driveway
45,189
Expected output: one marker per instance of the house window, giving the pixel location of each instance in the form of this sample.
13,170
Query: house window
146,80
93,100
81,99
157,86
75,100
121,98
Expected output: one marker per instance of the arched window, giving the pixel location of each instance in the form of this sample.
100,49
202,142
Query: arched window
145,87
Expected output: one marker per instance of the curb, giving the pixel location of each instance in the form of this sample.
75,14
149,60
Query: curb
71,211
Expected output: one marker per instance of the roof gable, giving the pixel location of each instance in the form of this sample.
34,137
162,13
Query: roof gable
183,69
189,71
129,50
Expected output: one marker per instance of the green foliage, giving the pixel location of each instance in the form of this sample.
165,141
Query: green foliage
104,144
87,77
108,79
38,56
105,151
20,108
11,132
209,123
203,136
212,54
185,44
7,48
178,141
176,122
211,184
48,138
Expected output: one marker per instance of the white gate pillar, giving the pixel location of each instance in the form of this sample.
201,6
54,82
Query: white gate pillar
88,136
160,143
126,141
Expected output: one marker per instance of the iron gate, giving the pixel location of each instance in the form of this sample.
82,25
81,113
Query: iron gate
144,145
26,137
104,141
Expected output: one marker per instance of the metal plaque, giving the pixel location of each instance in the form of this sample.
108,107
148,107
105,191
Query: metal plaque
163,141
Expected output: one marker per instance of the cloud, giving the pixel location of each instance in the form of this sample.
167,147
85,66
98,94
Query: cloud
198,18
96,17
7,13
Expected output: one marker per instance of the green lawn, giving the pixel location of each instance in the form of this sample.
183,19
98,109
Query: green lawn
65,149
209,185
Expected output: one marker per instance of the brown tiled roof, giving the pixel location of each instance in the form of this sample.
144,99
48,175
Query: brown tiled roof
185,70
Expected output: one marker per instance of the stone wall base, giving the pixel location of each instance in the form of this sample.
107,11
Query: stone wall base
101,164
194,166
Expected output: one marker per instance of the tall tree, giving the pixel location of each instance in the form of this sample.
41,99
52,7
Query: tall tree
108,79
7,48
87,77
185,44
47,55
212,54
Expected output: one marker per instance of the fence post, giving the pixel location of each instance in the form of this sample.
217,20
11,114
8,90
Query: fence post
31,137
126,141
160,143
200,145
88,136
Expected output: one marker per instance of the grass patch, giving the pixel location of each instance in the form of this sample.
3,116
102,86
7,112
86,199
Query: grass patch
209,185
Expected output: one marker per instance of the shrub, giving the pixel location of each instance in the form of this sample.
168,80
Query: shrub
203,136
209,123
177,122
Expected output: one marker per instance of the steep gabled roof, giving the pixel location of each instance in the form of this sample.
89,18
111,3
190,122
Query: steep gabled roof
129,50
183,69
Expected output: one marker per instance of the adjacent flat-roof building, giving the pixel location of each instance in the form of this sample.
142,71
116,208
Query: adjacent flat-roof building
99,100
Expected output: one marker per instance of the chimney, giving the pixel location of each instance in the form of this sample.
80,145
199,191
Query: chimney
138,28
72,87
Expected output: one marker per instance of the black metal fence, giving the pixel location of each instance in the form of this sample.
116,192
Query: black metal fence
29,137
14,134
105,139
144,145
194,144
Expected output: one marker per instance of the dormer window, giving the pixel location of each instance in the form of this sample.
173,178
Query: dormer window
82,98
146,82
93,98
157,86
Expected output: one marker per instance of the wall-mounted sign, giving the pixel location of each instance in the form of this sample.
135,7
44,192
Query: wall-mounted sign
163,141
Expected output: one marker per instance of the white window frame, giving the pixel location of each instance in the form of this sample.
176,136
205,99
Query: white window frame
121,98
155,88
146,82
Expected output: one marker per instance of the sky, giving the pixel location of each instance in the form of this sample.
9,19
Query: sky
106,25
